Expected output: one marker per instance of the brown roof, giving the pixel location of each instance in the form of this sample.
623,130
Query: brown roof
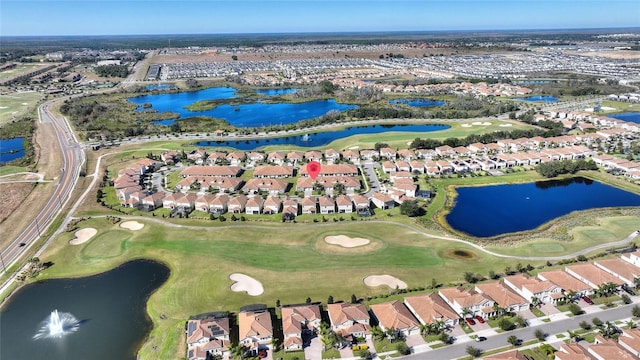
343,312
203,328
501,294
618,266
509,355
631,339
394,315
210,171
333,170
294,317
252,324
464,298
572,352
563,280
532,284
430,308
594,274
609,349
273,170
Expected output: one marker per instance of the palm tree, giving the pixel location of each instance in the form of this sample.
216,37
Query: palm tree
571,296
536,302
377,333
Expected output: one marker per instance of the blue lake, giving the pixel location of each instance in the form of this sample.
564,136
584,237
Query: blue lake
630,116
538,98
11,149
243,115
274,92
493,210
322,138
418,102
111,309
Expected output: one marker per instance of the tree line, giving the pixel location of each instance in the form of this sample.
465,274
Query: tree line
555,168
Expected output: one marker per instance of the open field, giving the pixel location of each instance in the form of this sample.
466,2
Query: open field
21,68
290,268
15,105
620,107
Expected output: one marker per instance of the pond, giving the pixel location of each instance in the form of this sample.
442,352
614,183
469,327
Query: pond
630,116
253,114
160,87
498,209
322,138
538,98
417,102
11,149
109,308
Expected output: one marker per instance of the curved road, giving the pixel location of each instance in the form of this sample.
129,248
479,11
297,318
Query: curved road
73,159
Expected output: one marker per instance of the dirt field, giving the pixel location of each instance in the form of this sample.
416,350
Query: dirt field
11,196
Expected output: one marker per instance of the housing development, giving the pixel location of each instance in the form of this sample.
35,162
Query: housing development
326,196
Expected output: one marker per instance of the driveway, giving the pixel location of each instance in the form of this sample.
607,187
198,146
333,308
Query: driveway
346,352
314,350
549,309
414,340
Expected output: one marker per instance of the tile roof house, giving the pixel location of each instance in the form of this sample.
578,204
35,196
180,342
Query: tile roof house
592,275
632,257
620,269
504,296
344,203
271,205
608,349
430,308
333,170
382,201
572,352
237,204
509,355
273,171
630,340
327,205
219,204
254,205
153,201
255,328
566,282
276,157
295,321
349,319
273,186
216,170
294,157
468,301
210,334
530,287
395,315
309,205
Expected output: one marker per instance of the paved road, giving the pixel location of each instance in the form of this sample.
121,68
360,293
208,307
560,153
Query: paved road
73,159
458,350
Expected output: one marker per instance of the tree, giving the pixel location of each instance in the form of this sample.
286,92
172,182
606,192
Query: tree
192,83
364,354
470,277
411,208
234,57
540,335
403,348
513,340
474,352
597,322
434,283
505,324
354,299
308,301
330,299
575,309
493,275
635,311
626,299
277,303
380,145
585,325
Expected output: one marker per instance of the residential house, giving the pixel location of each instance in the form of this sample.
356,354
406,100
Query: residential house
430,308
273,186
389,167
349,320
592,275
417,167
632,257
361,204
534,289
309,205
388,153
210,334
344,203
203,171
294,157
276,157
509,355
236,158
203,202
333,170
382,201
504,296
630,341
297,320
255,157
352,156
327,205
369,154
219,204
271,205
170,157
254,205
153,201
331,156
255,329
608,349
406,154
566,282
237,204
273,171
216,158
468,302
395,315
313,155
290,208
572,351
620,269
198,156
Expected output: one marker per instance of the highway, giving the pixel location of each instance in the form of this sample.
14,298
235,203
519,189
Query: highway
73,159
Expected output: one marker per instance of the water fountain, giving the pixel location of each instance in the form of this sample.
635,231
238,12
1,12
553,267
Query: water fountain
305,137
57,325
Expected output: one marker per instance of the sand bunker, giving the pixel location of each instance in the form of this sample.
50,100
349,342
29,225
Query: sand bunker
346,241
246,283
354,147
466,125
388,280
476,123
132,225
83,235
505,125
486,123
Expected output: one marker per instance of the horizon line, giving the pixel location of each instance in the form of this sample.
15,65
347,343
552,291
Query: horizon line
636,28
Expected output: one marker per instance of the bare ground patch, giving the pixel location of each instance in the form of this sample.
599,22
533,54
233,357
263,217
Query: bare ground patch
11,196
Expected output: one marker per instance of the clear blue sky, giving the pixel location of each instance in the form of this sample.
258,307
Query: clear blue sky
114,17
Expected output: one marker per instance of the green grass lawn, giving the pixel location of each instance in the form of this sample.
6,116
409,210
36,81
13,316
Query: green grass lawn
15,105
21,68
293,262
10,169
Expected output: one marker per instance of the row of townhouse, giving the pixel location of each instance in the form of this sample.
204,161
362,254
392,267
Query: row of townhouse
241,204
631,169
627,347
210,334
